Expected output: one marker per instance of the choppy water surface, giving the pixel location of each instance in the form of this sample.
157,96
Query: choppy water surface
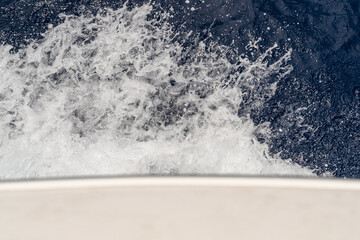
169,87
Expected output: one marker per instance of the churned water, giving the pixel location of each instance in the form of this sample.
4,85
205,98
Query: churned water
169,88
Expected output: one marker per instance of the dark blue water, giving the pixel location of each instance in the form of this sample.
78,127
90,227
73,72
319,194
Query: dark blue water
325,84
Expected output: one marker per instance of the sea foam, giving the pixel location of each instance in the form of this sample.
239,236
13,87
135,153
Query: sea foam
121,94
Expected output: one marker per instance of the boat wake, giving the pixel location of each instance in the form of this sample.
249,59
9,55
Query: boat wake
123,93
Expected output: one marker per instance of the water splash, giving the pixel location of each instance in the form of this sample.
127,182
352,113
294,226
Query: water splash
116,94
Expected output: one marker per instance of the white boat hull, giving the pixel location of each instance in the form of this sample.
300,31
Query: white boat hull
180,208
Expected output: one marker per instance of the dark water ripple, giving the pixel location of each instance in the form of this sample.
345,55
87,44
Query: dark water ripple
315,113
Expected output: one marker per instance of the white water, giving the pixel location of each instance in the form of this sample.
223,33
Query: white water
108,95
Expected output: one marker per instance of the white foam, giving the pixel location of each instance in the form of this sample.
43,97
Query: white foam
111,94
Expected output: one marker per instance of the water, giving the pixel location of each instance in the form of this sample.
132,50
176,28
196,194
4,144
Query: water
169,88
